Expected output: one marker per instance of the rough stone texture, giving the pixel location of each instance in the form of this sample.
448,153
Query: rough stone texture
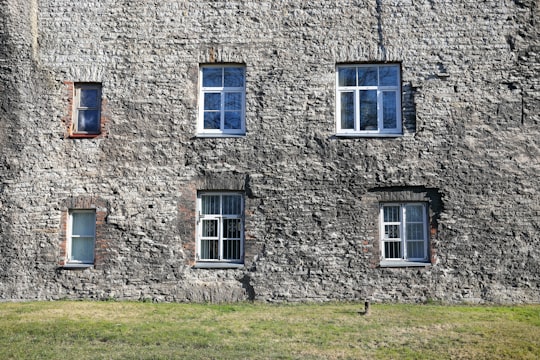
471,146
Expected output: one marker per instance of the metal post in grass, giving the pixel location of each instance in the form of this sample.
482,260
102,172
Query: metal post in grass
366,309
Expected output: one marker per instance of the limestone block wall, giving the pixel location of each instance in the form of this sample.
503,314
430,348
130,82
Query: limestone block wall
470,148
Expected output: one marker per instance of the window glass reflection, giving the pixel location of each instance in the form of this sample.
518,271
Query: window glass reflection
212,120
389,110
88,121
89,97
368,110
347,76
388,76
367,76
347,110
233,101
232,120
212,77
233,77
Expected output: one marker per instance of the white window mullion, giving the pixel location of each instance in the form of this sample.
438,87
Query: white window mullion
222,110
220,238
426,233
381,230
243,123
357,109
242,221
220,228
403,227
380,108
70,237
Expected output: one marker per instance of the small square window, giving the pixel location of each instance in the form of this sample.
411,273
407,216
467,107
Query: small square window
222,100
220,228
87,109
368,100
81,237
404,232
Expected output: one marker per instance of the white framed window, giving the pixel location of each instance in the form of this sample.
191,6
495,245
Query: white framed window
222,100
220,227
368,100
404,232
87,109
81,236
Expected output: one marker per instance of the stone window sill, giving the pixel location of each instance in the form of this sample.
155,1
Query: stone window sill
203,135
401,264
77,266
83,135
217,265
368,135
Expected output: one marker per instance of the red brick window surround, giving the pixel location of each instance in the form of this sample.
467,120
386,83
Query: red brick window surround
82,236
85,110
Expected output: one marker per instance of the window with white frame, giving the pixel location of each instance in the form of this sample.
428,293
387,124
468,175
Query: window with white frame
222,100
220,230
87,109
81,236
404,232
368,100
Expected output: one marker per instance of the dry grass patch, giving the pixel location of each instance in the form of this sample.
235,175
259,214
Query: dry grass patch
120,330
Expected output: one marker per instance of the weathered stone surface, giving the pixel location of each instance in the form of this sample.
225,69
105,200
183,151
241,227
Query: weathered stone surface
471,93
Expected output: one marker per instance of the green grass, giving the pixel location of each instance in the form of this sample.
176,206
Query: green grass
132,330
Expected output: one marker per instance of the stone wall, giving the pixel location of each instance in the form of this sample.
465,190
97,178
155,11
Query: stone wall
471,148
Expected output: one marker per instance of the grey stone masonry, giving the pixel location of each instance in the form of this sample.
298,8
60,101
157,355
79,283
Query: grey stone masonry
469,149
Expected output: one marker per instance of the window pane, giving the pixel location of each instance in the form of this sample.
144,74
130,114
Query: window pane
388,76
212,101
389,110
391,214
233,120
415,249
89,98
415,213
209,249
234,77
210,204
232,204
83,223
209,228
231,249
368,110
233,101
347,76
88,121
82,249
367,76
231,228
212,77
391,232
212,120
415,231
392,249
347,110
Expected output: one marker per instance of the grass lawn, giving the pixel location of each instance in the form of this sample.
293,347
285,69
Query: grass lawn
135,330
